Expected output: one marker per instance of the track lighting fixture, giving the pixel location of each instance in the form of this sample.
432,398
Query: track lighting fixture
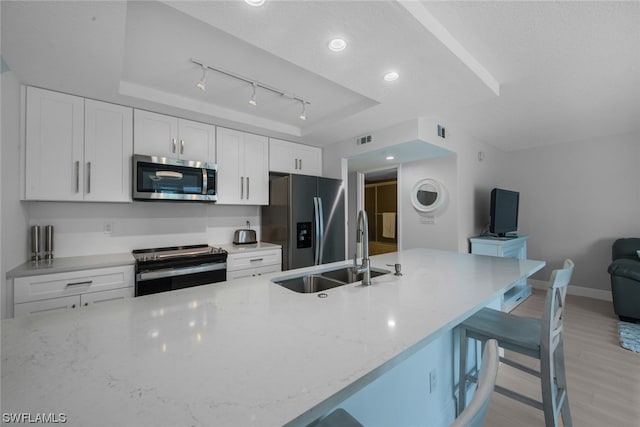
202,85
303,115
255,84
252,101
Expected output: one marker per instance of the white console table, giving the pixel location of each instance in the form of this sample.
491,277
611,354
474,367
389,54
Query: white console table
506,247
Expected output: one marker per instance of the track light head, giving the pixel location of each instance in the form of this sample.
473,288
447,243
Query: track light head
202,84
252,101
303,114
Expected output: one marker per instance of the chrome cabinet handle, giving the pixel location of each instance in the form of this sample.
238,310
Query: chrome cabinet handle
256,259
182,146
241,187
296,166
247,188
173,145
300,163
87,282
88,177
77,176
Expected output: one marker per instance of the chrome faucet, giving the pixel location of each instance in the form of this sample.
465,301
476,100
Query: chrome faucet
362,236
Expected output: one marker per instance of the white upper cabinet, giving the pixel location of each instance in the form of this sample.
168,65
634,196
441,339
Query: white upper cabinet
76,149
289,157
54,145
166,136
243,168
108,145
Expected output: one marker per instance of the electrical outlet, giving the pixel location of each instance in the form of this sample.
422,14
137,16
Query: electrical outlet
433,381
107,227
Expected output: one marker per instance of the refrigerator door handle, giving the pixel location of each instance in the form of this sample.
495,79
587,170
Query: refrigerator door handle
316,243
321,241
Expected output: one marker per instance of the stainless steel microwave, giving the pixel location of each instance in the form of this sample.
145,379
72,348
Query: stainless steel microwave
162,178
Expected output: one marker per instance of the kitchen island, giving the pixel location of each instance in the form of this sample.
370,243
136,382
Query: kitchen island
241,353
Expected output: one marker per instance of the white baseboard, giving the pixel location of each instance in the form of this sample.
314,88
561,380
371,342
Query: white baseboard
576,290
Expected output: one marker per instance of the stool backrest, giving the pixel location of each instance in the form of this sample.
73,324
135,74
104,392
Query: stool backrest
553,318
475,413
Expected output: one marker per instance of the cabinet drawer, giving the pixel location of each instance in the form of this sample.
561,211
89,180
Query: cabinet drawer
106,296
254,259
27,289
249,272
46,305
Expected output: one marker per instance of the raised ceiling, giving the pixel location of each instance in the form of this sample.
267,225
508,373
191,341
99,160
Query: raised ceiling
565,70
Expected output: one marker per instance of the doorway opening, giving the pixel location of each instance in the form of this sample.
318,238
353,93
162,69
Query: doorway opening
381,205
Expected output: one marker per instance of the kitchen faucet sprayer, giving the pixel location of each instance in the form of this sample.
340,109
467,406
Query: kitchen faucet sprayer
362,236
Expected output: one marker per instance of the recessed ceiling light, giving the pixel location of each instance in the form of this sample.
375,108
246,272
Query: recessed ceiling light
391,76
337,45
255,3
389,157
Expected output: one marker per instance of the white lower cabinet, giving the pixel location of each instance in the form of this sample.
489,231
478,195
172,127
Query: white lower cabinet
58,291
254,263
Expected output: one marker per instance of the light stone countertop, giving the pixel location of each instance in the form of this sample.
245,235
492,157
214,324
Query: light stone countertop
75,263
88,262
236,249
241,353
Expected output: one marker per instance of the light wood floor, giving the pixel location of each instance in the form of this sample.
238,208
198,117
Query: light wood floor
603,378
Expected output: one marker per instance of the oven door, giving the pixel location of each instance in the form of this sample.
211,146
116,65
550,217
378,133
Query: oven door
160,178
155,281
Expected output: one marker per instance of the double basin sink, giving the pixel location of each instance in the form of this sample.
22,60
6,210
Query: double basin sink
321,281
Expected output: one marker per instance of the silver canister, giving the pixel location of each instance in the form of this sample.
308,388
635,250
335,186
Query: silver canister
48,242
35,242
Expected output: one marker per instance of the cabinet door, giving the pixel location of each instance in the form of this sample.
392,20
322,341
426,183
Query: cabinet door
46,305
309,160
282,156
106,296
256,170
108,146
155,134
196,141
229,152
54,145
290,157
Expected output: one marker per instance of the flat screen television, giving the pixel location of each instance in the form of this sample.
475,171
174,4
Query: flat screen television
504,211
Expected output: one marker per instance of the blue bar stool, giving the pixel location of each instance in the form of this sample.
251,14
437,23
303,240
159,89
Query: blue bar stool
538,338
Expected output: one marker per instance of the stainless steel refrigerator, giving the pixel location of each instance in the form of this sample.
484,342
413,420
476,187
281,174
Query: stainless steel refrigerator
306,216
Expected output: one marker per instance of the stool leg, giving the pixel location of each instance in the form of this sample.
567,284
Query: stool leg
549,392
561,380
462,383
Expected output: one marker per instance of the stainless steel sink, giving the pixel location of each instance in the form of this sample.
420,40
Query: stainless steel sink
310,283
318,282
347,274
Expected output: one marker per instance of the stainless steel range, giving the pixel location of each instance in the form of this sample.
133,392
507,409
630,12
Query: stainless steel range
177,267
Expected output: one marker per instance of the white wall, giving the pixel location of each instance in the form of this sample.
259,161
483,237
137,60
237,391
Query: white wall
14,214
468,180
438,229
78,227
575,200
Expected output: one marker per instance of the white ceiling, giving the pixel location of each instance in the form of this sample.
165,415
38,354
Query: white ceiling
566,70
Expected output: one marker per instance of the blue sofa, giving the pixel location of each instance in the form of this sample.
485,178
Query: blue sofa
625,278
